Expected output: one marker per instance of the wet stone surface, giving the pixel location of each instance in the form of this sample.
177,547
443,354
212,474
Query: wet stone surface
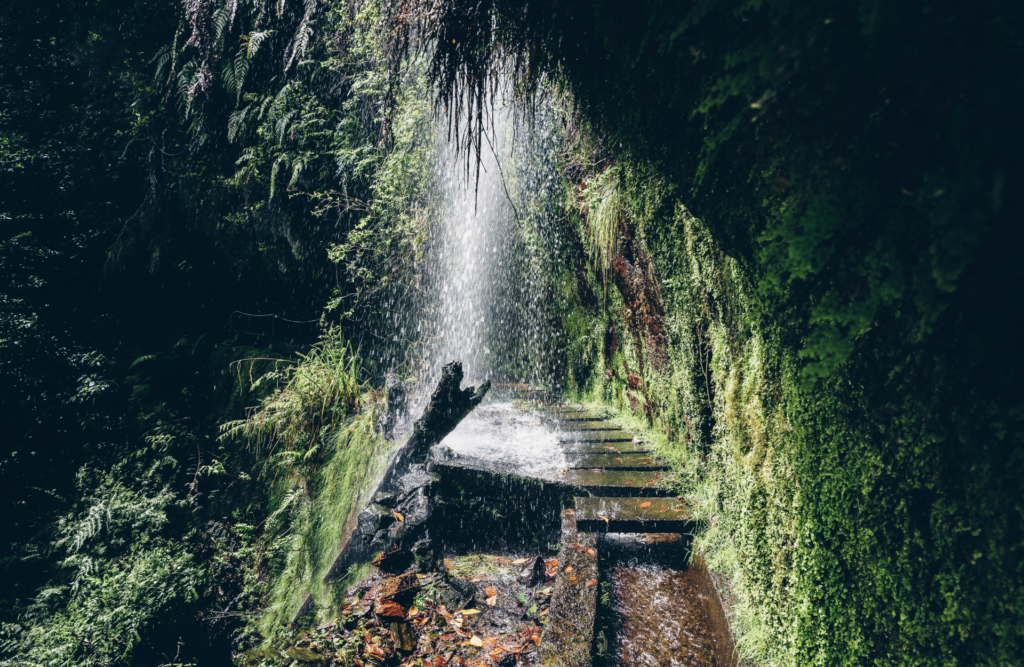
657,614
569,633
638,514
615,482
615,460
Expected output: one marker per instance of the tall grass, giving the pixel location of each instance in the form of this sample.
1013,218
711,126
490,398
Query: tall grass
319,444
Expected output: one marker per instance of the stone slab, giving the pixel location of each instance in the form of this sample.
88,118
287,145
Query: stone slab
625,515
604,446
569,632
609,460
615,482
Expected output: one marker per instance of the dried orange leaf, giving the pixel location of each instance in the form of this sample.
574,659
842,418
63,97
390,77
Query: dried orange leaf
607,523
543,613
470,612
413,610
572,578
491,591
591,552
398,516
645,505
592,582
520,561
568,569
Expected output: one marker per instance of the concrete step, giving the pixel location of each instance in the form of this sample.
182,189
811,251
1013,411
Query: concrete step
595,435
604,446
615,460
625,515
569,631
615,483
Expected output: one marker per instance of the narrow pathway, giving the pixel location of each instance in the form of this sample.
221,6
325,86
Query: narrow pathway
613,484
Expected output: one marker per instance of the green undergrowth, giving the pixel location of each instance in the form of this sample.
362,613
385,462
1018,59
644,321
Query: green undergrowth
862,519
323,453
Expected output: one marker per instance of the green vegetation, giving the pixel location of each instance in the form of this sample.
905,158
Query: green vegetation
785,243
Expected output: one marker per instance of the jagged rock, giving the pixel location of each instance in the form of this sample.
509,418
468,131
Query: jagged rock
386,499
447,407
373,519
416,478
532,573
396,401
417,508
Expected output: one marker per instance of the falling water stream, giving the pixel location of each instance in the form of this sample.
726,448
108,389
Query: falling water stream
485,305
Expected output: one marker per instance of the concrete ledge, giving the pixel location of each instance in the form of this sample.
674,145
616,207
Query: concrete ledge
625,515
569,632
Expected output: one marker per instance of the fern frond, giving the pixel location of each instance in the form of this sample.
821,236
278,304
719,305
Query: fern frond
297,166
282,124
143,359
255,40
236,125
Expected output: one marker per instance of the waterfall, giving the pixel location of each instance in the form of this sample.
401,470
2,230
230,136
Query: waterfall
487,278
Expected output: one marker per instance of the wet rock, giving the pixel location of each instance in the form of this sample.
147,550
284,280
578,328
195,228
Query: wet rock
416,509
404,636
386,499
416,478
396,402
533,573
505,659
374,519
393,560
400,589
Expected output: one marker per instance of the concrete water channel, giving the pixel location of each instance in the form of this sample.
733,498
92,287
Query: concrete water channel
627,592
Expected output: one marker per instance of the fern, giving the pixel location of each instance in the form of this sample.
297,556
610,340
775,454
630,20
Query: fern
143,359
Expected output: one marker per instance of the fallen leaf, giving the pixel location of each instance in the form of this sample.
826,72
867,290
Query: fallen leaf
663,509
606,521
421,576
592,582
630,482
678,509
644,506
398,516
491,591
536,639
477,579
413,610
440,661
476,641
543,613
491,601
470,612
568,569
591,552
572,578
520,561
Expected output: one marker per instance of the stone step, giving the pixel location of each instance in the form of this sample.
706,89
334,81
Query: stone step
615,483
594,435
625,515
569,631
615,460
602,446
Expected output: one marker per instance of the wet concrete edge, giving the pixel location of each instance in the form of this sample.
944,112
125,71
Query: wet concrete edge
569,633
